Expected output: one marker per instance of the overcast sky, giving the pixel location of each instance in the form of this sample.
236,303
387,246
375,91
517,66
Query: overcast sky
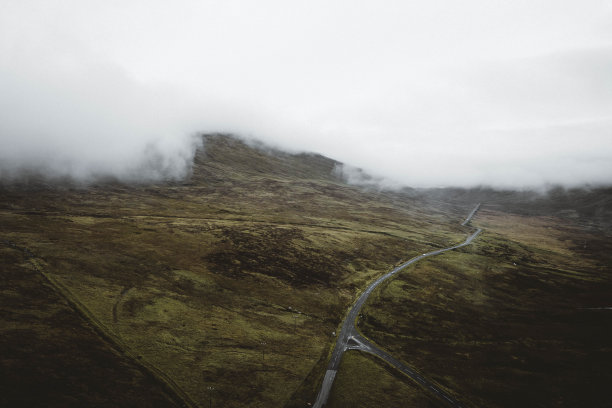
427,93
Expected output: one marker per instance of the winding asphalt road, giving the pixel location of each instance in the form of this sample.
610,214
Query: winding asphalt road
351,339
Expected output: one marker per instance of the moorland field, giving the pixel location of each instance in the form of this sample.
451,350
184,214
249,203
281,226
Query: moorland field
227,289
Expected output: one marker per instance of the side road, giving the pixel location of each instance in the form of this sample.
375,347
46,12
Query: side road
351,339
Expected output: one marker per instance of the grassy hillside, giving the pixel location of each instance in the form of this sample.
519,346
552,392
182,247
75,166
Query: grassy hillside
226,289
52,356
587,207
227,286
516,319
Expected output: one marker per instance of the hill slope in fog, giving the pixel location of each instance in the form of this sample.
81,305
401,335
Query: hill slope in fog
227,287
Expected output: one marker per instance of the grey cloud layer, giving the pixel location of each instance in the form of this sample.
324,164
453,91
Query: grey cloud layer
421,93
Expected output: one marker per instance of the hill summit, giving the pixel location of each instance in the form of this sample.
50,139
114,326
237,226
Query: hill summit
224,156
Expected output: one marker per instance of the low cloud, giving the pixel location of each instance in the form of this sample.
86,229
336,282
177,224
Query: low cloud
86,119
357,176
423,94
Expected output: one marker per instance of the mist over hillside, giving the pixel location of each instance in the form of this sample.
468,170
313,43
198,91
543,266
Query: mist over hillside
239,155
225,203
238,278
512,96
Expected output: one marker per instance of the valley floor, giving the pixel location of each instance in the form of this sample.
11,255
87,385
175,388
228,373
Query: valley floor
230,288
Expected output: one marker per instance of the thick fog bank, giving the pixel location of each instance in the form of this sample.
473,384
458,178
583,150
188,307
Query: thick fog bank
422,93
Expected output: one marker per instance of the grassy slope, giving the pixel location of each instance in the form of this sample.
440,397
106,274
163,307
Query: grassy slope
362,381
233,280
236,278
53,357
505,322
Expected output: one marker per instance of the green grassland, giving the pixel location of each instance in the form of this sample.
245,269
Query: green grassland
51,356
234,279
379,386
509,321
225,289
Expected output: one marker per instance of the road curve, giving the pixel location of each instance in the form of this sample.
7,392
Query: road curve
350,338
469,217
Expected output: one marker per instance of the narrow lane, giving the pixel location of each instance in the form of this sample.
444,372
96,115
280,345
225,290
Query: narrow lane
469,217
350,338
